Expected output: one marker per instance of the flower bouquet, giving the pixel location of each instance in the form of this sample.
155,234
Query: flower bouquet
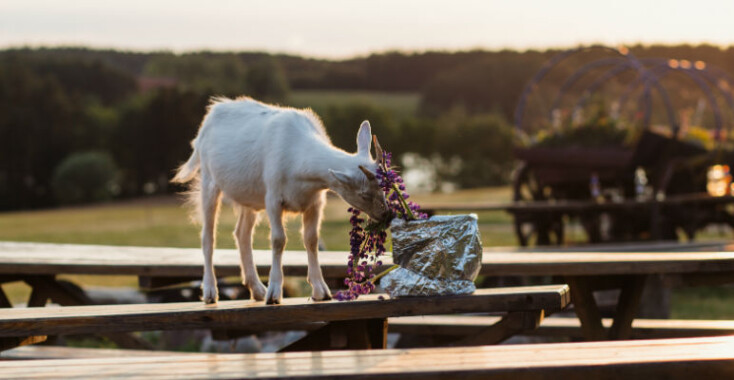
437,255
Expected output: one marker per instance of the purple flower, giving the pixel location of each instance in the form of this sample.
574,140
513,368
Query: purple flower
367,243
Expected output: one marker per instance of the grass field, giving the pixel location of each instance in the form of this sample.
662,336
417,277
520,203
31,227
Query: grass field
164,222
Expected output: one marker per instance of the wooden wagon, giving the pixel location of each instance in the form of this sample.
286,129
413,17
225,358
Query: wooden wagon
617,193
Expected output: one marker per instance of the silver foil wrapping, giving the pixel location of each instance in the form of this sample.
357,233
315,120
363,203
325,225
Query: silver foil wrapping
437,256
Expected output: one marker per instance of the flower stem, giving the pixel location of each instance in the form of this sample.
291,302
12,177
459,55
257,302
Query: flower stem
408,211
383,273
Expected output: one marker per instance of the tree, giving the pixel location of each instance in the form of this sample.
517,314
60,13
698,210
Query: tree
266,81
153,136
37,124
483,143
85,177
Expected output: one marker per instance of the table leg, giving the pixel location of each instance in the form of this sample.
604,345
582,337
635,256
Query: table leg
511,324
67,294
586,308
344,335
4,301
627,306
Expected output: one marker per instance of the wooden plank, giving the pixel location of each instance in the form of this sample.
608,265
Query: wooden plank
697,358
35,258
256,315
12,342
61,352
452,325
606,263
43,258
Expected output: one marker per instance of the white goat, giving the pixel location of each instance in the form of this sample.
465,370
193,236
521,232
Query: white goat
279,159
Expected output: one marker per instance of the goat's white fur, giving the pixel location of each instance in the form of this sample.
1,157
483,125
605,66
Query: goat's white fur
261,156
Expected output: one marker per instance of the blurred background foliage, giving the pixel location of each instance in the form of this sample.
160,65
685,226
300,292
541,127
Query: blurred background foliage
445,115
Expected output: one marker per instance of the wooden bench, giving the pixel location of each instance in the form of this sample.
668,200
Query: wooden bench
335,325
435,330
585,272
689,358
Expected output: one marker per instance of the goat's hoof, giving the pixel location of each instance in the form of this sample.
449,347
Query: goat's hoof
324,298
272,301
273,295
210,296
320,291
258,292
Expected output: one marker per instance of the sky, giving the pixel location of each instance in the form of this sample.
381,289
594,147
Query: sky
346,28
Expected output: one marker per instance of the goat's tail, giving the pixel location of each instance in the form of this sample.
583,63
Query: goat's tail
187,171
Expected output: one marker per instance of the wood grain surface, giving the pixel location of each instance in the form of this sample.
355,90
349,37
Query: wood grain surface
255,315
690,358
37,258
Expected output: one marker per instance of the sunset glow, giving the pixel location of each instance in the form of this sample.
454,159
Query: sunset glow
332,28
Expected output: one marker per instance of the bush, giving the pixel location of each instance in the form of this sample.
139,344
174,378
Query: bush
85,177
483,143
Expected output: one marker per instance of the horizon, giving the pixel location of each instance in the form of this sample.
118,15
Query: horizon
330,29
360,56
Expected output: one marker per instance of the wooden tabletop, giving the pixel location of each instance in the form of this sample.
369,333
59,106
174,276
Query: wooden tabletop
690,358
255,315
40,258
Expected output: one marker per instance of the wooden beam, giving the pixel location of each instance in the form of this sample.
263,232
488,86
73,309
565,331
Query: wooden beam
153,283
12,342
248,314
627,306
360,334
586,309
510,325
4,301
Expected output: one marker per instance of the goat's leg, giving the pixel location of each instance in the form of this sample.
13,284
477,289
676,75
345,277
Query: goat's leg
311,221
210,197
277,241
243,236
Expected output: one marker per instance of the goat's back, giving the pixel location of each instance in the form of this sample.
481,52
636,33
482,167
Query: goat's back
244,144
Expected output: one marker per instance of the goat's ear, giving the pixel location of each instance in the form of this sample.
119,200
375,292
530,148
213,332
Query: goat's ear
378,151
370,176
340,177
364,139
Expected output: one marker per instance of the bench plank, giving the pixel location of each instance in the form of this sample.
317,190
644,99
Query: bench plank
61,352
445,325
255,314
671,359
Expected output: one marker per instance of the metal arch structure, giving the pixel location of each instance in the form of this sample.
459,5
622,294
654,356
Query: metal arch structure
553,62
648,78
713,82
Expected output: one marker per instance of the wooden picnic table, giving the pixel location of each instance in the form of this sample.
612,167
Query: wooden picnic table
690,358
585,272
356,324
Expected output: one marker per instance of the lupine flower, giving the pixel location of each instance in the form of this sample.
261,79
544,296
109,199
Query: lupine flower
367,242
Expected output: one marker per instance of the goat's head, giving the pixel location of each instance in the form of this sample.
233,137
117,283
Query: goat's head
358,186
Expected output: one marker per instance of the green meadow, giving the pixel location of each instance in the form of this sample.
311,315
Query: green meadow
165,222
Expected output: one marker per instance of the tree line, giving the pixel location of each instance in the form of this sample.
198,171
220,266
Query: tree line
77,126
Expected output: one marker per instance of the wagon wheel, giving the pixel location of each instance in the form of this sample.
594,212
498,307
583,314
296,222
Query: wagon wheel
534,225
